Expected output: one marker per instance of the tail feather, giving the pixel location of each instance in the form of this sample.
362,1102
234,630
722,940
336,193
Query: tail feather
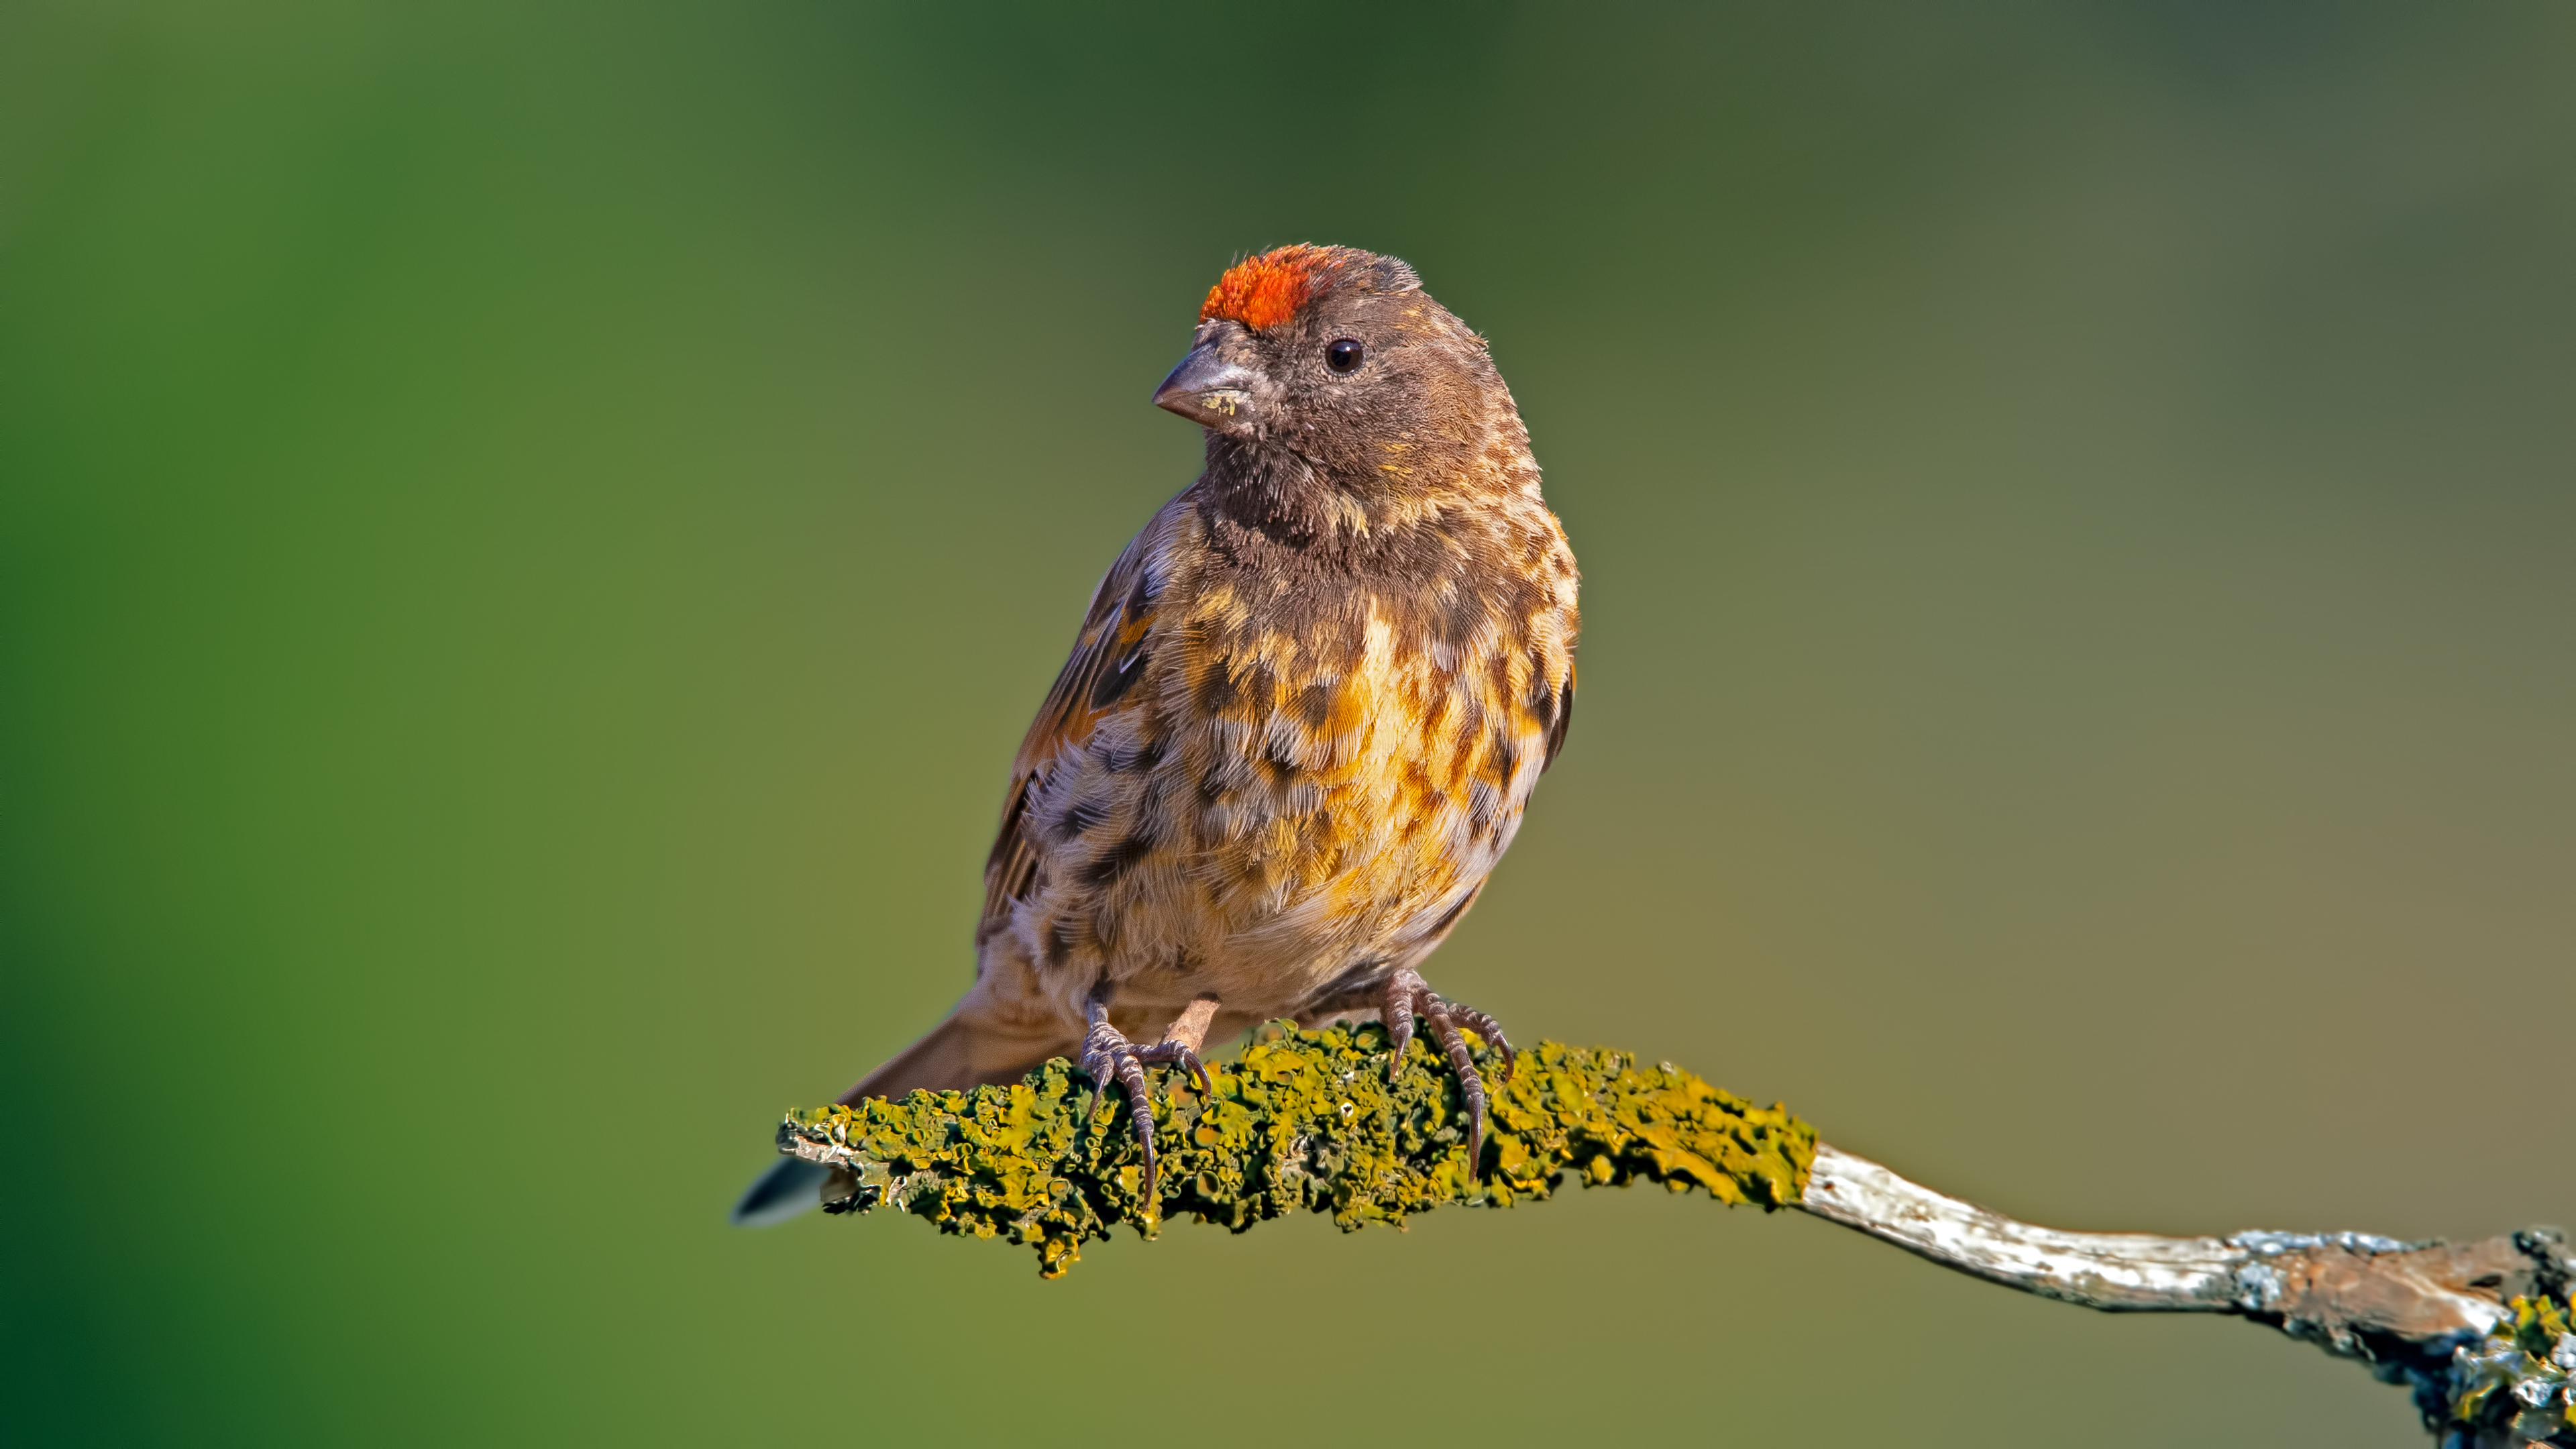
786,1190
957,1054
943,1061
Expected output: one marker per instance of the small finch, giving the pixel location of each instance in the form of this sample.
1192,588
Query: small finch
1298,729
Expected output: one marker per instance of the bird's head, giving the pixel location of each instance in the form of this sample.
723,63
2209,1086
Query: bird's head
1338,357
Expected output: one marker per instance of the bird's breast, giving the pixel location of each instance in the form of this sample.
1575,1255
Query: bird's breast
1339,792
1310,775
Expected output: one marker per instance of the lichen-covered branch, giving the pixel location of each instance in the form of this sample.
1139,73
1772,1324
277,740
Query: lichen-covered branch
1311,1121
1306,1121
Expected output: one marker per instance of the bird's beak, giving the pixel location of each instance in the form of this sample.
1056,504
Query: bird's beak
1207,389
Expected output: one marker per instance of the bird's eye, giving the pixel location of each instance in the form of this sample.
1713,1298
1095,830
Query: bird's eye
1345,355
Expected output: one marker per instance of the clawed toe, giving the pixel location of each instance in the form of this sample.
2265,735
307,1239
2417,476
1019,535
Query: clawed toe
1176,1053
1108,1054
1409,996
1486,1027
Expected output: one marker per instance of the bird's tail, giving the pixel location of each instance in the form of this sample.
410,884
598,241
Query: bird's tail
966,1050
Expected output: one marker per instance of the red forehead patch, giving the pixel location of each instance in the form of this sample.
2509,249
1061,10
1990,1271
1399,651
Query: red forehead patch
1267,290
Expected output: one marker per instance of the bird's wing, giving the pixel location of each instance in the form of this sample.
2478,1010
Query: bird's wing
1564,718
1108,659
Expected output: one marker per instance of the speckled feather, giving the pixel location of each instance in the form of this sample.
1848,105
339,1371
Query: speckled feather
1308,704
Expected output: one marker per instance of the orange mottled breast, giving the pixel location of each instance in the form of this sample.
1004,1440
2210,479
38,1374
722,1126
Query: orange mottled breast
1278,789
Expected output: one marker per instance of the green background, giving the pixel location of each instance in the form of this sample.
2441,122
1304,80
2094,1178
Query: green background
528,534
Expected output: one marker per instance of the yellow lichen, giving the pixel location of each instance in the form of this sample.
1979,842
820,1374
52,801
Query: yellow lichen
2521,1378
1305,1121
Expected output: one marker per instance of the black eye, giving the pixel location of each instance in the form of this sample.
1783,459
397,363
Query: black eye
1345,355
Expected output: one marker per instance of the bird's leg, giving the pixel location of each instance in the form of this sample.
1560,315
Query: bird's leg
1190,1028
1407,995
1107,1053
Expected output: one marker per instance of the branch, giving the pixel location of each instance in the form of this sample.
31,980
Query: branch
1309,1121
2478,1330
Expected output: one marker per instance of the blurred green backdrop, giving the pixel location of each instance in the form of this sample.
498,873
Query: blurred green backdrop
528,534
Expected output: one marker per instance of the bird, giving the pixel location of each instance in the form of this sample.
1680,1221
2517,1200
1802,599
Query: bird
1300,724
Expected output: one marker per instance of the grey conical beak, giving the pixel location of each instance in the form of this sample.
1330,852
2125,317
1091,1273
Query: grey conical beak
1207,389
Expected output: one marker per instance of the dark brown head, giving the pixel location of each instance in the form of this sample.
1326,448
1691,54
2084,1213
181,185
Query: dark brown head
1337,360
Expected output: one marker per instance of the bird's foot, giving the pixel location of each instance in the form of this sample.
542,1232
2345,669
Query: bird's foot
1409,996
1108,1054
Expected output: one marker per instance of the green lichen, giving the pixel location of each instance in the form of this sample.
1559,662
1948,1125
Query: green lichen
2522,1377
1306,1121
